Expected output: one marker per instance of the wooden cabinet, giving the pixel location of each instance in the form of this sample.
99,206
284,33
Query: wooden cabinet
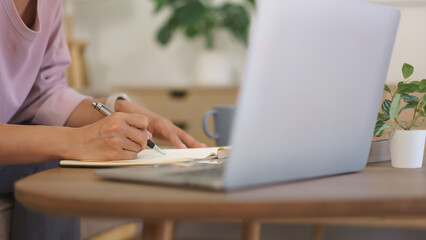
185,107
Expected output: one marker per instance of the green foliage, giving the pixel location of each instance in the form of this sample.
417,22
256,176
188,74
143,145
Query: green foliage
394,108
391,108
252,2
200,18
387,89
236,20
407,70
380,127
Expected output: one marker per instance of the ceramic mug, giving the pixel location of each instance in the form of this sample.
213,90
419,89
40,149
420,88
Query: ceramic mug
223,117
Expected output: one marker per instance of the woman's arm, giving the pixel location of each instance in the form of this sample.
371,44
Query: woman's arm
116,137
84,114
21,144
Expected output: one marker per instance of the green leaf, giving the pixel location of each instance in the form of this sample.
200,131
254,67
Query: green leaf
387,88
166,32
421,86
418,84
379,128
406,106
386,106
190,12
236,19
407,70
404,88
410,99
382,117
191,31
159,5
394,108
164,35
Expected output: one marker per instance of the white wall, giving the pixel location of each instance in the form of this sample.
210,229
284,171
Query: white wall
410,45
122,48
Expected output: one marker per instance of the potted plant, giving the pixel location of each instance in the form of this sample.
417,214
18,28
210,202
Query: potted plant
201,18
406,144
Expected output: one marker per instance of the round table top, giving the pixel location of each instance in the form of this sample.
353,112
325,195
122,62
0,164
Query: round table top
378,190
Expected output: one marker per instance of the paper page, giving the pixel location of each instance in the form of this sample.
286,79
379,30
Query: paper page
149,156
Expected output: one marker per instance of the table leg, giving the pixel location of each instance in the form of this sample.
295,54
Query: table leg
158,230
251,230
318,232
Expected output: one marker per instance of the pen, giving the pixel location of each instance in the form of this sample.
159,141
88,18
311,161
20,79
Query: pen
107,111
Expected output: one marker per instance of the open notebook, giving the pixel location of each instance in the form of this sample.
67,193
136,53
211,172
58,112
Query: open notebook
151,157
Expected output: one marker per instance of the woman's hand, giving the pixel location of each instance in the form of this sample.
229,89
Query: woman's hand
164,129
161,127
119,136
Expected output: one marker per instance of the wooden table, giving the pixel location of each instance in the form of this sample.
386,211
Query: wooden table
378,191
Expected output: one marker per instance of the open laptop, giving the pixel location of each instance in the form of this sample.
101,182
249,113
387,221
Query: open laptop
307,106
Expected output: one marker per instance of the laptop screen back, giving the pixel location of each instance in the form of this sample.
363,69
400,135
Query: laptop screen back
314,78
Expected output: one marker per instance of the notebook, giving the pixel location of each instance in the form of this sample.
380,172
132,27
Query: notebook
151,157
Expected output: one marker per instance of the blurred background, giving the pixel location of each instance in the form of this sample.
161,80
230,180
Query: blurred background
122,49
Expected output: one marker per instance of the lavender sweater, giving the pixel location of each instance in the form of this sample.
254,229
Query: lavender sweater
33,88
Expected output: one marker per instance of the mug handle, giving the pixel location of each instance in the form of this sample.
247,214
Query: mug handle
206,130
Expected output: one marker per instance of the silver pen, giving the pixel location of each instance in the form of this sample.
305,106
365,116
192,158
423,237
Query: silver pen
107,111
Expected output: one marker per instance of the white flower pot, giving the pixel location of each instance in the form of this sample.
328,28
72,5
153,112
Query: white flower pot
213,69
407,148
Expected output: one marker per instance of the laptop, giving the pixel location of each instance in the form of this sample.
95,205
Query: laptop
307,106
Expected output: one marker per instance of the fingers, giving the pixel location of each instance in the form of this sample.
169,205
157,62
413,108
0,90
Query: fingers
138,137
113,148
137,121
128,131
132,146
181,139
126,155
188,140
134,127
166,130
174,138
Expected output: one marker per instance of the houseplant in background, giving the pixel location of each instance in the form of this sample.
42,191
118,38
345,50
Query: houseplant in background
406,144
202,18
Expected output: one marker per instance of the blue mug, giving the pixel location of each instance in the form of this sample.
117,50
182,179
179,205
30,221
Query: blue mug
223,118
